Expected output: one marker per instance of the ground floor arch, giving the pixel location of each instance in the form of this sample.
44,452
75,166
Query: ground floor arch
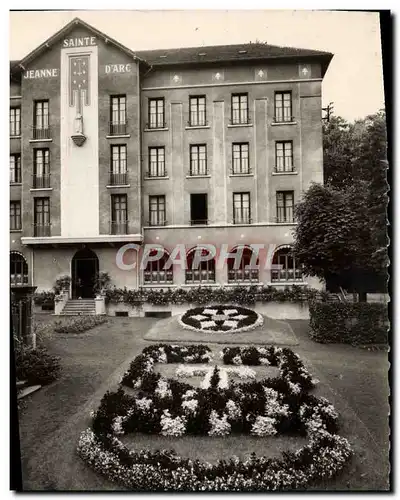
84,268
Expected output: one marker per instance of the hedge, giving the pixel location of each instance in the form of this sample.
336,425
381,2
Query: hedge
349,322
243,295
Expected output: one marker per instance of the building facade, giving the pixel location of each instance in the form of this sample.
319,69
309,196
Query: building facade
193,147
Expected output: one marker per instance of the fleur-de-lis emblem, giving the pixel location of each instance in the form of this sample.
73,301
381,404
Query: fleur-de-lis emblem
261,73
176,78
217,76
304,71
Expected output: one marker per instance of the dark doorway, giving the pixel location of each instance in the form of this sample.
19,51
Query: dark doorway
85,266
198,209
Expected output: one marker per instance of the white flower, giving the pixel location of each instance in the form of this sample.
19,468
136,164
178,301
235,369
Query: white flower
172,426
210,312
189,394
162,389
237,360
264,361
144,404
231,323
162,357
138,383
219,426
228,312
233,410
295,388
117,425
207,324
263,426
190,405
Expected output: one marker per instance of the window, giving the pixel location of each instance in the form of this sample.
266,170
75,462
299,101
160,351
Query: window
240,158
241,268
41,128
240,109
15,168
156,113
284,266
283,107
284,206
155,271
157,210
15,122
18,270
200,266
284,156
42,217
197,106
41,168
198,159
117,115
15,215
198,209
118,174
157,162
119,214
241,208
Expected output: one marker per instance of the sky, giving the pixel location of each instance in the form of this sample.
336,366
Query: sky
353,82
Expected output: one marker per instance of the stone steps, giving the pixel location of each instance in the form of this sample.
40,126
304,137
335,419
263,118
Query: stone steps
79,307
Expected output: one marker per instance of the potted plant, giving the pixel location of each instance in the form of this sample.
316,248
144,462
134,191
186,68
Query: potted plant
62,284
102,281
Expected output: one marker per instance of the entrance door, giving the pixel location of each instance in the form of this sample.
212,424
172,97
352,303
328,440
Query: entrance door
85,266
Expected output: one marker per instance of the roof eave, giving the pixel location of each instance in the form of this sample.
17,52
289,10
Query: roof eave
57,36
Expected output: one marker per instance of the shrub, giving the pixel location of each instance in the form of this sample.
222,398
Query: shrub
79,325
349,323
36,366
44,298
62,283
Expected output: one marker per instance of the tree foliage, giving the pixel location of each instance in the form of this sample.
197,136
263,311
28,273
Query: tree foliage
342,226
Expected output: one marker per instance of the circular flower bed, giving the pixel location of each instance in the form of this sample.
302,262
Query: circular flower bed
172,408
220,319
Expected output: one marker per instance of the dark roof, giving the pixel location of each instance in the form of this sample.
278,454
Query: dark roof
194,55
219,53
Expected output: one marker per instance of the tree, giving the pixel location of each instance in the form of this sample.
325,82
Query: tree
333,239
342,230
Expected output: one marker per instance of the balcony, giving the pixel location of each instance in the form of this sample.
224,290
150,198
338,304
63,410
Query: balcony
41,133
241,216
118,179
199,171
285,215
120,227
287,118
157,170
240,119
41,229
40,181
19,279
157,221
117,128
241,170
156,124
286,274
196,276
243,276
158,277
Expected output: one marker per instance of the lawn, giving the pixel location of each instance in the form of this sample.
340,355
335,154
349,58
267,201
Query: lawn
352,379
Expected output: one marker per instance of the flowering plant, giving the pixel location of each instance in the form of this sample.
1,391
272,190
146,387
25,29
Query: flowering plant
173,408
220,319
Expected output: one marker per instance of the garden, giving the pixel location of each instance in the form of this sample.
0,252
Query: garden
238,418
